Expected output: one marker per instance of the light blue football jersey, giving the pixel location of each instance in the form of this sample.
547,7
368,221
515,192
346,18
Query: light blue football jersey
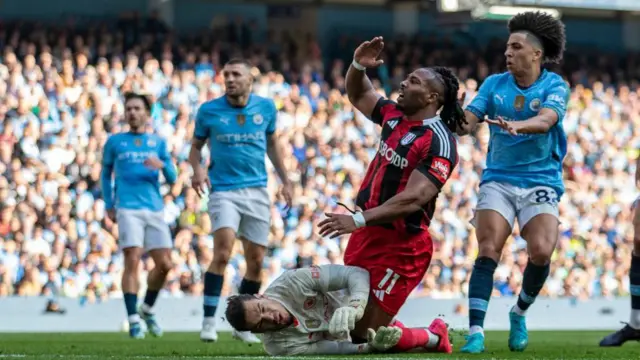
137,186
525,160
237,138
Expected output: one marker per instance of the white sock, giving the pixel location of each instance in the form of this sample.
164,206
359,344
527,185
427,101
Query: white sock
634,321
476,329
433,340
146,308
209,321
516,309
134,319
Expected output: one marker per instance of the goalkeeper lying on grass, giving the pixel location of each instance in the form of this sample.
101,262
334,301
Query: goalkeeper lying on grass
305,311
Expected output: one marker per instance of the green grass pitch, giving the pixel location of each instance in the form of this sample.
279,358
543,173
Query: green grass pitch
542,346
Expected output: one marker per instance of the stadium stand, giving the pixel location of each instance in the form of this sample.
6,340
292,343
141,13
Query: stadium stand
61,95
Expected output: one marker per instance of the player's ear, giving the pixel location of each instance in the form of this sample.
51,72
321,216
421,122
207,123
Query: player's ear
432,97
537,54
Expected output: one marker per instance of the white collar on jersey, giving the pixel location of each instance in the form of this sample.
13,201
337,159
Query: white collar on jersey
431,121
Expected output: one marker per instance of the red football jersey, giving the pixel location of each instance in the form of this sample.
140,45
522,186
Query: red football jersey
405,146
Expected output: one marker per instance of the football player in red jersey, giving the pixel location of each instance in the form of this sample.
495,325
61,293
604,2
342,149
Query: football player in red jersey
396,201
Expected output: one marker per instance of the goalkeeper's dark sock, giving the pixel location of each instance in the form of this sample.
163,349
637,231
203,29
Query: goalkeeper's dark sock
480,288
533,280
634,280
212,289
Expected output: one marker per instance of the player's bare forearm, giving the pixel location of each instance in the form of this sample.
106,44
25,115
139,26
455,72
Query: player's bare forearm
407,202
274,152
195,153
472,121
539,124
360,91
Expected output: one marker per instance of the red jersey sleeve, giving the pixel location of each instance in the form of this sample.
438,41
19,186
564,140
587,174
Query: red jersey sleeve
439,156
384,110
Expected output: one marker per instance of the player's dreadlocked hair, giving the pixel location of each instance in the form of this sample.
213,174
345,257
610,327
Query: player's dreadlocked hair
452,113
546,28
235,313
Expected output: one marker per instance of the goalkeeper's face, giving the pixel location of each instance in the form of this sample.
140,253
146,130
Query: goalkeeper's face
263,315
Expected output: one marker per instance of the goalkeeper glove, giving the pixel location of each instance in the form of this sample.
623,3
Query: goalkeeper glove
344,319
385,338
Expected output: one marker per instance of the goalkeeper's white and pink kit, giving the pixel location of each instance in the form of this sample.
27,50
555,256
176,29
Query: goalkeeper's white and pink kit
312,295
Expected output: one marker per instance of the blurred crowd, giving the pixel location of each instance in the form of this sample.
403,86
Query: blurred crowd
61,96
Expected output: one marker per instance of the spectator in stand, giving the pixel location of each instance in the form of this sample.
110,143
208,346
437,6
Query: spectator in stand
59,100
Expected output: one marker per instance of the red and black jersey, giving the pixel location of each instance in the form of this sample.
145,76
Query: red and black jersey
405,146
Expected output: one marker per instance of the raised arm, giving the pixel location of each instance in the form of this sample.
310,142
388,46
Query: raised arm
359,88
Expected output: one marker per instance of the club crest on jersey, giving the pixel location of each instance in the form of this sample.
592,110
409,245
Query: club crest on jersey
407,139
534,105
258,119
315,272
309,303
312,323
241,119
137,142
518,103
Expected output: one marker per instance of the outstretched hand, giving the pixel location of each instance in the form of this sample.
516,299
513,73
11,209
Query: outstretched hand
368,52
502,123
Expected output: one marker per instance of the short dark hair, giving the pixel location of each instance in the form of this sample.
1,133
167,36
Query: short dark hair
235,313
546,28
452,113
133,95
239,61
